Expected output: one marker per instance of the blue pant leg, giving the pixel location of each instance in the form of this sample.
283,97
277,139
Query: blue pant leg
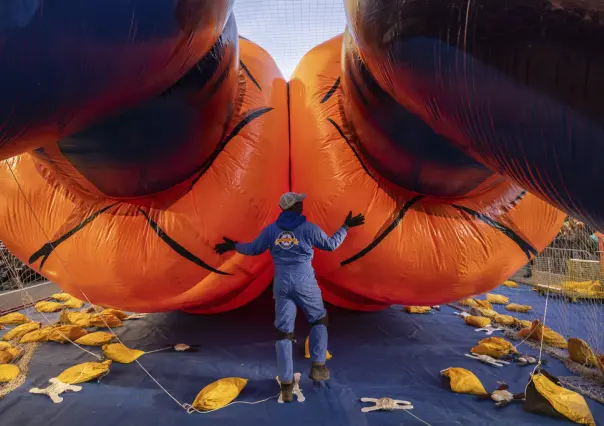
310,300
285,317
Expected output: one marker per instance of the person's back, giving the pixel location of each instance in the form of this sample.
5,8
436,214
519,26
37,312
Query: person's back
291,240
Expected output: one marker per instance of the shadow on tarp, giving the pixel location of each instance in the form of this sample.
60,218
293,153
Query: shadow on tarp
388,353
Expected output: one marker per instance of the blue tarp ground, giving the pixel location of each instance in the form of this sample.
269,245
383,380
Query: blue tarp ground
388,353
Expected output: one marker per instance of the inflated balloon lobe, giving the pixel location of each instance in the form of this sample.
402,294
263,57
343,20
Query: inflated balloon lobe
399,145
65,63
515,84
162,142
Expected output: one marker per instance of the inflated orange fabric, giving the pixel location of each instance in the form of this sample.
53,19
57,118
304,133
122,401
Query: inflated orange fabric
118,258
438,252
460,232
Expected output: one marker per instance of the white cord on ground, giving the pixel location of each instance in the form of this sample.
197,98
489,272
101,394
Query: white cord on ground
413,415
190,409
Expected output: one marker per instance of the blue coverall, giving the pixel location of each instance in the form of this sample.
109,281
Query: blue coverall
290,241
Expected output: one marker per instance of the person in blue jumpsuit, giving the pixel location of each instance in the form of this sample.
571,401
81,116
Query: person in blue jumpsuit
290,241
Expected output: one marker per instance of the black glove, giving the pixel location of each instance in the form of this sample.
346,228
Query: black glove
228,245
351,222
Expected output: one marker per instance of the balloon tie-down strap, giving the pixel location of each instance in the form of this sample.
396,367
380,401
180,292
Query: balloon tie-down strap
297,390
488,360
55,389
489,329
386,404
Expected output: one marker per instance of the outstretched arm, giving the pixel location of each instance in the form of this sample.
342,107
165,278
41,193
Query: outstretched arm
256,247
323,242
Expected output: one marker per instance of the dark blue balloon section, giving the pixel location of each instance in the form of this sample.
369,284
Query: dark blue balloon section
65,63
514,84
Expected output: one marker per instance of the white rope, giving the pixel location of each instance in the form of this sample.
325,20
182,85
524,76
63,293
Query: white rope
543,333
190,409
538,365
525,339
159,350
413,415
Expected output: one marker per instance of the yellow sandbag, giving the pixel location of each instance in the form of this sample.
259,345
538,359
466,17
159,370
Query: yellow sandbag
307,350
98,338
8,355
495,347
483,312
120,353
483,303
61,297
21,330
497,299
14,352
552,338
478,322
505,320
579,351
467,302
74,303
48,307
510,284
417,309
460,380
84,372
105,320
566,402
522,323
588,285
527,332
14,318
66,333
5,357
538,332
40,335
8,372
80,319
515,307
218,394
116,313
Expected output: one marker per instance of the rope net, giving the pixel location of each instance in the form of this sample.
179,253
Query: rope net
569,274
17,276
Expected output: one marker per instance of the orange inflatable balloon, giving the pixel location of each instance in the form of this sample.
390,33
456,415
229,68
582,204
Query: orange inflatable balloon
456,232
126,169
155,252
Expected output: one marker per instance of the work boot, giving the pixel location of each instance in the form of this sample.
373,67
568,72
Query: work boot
287,392
319,372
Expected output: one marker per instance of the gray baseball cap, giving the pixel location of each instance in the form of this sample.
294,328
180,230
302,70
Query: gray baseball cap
288,199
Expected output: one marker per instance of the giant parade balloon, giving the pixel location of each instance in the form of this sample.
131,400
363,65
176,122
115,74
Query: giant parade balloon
137,134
